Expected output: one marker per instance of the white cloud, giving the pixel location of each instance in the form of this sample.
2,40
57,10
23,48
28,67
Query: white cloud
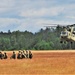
32,25
7,23
32,14
69,9
71,17
35,25
53,11
6,5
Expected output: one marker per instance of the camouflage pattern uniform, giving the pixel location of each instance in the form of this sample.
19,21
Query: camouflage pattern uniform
30,55
1,55
23,54
27,56
13,56
19,55
5,55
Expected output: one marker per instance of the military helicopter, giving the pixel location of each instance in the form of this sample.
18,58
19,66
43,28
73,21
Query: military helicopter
67,34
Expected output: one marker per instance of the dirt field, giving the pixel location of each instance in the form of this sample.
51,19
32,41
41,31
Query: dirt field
42,63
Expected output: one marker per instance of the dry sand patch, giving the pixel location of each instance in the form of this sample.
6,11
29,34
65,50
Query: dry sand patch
43,63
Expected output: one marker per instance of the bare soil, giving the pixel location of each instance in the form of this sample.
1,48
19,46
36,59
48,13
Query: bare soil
54,62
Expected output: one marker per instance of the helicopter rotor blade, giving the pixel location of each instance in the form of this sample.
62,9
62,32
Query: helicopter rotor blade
61,25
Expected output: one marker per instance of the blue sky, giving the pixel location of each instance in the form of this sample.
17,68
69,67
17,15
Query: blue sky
31,15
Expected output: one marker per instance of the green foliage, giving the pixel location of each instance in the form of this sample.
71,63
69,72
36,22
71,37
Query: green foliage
42,45
47,39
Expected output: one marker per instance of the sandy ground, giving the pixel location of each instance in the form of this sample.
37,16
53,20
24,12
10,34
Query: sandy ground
51,62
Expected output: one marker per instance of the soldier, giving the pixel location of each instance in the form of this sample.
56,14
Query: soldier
30,55
13,56
19,55
5,55
1,55
27,54
23,54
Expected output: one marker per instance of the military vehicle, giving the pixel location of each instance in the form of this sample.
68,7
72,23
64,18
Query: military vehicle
67,34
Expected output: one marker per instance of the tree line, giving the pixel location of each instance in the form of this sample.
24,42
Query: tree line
44,39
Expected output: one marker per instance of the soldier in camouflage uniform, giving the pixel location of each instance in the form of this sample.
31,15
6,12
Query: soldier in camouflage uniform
13,56
19,55
5,55
30,55
27,56
1,55
23,54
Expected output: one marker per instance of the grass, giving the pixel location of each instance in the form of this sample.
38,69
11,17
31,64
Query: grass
42,63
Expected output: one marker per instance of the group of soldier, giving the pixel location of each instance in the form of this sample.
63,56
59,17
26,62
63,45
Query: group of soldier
3,56
21,55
